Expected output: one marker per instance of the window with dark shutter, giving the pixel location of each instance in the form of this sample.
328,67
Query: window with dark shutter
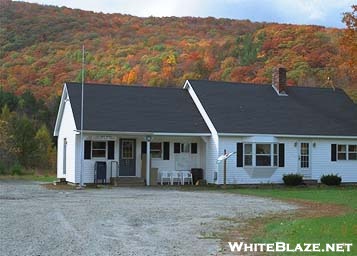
281,155
166,151
333,152
239,154
87,149
193,148
111,149
143,147
177,148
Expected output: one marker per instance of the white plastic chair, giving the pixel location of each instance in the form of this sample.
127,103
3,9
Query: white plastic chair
165,176
175,177
186,176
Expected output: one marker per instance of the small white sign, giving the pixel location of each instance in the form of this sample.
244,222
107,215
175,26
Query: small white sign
224,156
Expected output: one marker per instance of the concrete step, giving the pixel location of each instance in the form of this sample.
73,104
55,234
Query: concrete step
310,181
127,181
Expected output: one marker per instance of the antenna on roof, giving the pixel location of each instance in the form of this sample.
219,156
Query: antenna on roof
82,101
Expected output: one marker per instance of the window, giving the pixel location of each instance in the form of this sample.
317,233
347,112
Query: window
248,155
263,157
185,148
127,149
261,154
275,160
99,149
346,152
155,149
352,152
342,152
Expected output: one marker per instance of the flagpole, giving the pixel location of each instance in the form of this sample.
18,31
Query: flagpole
82,100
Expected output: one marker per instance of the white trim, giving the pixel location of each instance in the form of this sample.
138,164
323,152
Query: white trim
287,136
279,93
64,99
187,86
145,133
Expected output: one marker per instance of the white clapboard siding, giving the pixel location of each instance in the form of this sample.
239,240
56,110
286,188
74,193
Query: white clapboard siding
67,130
320,160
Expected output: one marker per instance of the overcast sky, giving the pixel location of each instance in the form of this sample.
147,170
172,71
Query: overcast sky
319,12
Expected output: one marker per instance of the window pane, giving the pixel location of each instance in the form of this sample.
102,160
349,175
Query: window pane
352,156
275,160
248,160
185,148
263,148
275,149
127,149
263,160
352,148
342,148
341,156
156,149
155,146
98,153
99,145
248,148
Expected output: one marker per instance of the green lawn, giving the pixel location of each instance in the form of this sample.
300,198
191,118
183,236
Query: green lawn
336,229
43,178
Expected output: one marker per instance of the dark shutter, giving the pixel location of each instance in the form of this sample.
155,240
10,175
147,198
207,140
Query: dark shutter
111,149
193,148
281,155
239,154
143,147
177,148
333,152
87,149
166,150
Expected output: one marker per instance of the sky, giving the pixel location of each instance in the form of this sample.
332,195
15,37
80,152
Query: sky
318,12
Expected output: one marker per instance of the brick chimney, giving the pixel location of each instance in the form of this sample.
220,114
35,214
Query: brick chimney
279,79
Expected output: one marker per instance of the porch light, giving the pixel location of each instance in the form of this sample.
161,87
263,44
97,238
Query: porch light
314,144
148,138
295,144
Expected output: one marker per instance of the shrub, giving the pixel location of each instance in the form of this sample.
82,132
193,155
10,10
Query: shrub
2,168
16,169
331,179
292,179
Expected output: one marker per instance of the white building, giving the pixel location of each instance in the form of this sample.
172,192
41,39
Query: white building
274,129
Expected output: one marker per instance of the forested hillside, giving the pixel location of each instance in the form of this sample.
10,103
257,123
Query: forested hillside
40,49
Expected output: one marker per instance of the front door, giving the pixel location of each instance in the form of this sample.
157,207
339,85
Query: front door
127,157
305,159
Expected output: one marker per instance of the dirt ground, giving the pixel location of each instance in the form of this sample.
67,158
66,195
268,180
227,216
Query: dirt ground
120,221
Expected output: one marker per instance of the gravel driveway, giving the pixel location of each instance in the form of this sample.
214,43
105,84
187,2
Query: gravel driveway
118,221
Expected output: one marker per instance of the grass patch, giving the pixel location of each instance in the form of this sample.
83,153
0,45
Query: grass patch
42,178
328,215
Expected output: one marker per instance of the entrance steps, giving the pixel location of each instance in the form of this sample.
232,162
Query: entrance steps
309,182
127,181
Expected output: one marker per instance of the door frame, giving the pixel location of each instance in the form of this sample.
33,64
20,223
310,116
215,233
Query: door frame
306,172
120,151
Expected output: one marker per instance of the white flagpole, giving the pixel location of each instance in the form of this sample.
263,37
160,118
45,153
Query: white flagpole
82,100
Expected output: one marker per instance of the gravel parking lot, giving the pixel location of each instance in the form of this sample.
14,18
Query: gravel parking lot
119,221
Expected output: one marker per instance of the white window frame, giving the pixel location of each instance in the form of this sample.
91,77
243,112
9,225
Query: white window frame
161,150
346,152
254,154
353,152
187,145
105,149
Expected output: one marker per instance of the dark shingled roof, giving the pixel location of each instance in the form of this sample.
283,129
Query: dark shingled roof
258,109
135,109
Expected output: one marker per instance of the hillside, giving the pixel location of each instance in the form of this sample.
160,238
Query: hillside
41,49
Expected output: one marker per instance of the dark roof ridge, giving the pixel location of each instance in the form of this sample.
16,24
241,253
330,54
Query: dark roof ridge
124,85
